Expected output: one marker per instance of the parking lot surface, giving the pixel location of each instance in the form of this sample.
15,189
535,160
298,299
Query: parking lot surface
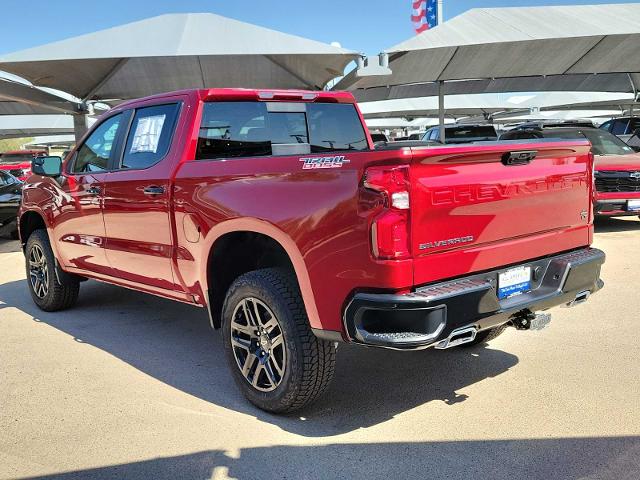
127,385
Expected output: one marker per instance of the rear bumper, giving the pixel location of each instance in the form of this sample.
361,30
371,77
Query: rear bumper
428,315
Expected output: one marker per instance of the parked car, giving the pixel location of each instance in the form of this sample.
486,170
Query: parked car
10,195
462,134
622,127
18,162
201,196
555,123
617,167
379,137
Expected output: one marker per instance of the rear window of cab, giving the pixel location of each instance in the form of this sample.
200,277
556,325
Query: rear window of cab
251,129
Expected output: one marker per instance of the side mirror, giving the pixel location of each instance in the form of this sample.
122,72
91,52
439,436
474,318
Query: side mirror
47,166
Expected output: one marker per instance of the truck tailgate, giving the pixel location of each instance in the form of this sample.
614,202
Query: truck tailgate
479,207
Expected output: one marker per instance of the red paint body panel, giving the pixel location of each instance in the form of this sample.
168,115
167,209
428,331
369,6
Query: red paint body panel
321,218
505,214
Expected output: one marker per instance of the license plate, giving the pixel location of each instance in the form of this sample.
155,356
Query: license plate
633,205
514,282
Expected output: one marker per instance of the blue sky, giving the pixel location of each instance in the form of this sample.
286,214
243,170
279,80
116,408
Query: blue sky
364,25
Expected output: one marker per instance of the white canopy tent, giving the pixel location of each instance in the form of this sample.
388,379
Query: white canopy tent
177,51
22,126
487,104
403,123
509,43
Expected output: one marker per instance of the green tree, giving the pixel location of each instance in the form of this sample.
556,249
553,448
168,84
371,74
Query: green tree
13,144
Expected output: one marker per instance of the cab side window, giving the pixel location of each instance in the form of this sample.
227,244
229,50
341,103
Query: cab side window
150,136
620,127
607,125
93,155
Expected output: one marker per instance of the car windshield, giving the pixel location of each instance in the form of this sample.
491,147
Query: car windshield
603,143
13,158
471,132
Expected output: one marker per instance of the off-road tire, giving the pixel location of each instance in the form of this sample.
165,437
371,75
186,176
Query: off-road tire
309,363
59,296
486,336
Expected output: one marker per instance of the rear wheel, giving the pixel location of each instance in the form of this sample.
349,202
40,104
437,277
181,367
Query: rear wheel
486,336
276,360
47,291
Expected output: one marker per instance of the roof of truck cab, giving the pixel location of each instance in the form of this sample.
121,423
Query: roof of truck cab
248,94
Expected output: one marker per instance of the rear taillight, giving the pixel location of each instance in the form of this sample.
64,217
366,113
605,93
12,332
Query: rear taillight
390,238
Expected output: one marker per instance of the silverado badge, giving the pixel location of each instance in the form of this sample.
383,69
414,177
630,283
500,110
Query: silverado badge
446,243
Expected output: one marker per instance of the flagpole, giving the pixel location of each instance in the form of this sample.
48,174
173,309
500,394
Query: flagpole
440,12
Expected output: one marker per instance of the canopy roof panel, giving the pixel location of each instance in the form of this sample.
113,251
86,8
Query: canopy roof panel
22,99
177,51
491,43
479,104
22,126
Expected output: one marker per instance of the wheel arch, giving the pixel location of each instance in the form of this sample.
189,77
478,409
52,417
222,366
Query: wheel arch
28,222
284,252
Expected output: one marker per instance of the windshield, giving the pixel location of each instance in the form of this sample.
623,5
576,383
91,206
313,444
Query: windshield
605,143
13,158
471,132
602,142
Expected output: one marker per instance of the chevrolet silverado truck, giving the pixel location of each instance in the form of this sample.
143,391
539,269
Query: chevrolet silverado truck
274,211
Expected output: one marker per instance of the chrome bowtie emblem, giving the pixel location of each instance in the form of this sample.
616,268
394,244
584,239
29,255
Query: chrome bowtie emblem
635,175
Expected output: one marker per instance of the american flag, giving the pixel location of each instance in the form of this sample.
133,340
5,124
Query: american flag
425,14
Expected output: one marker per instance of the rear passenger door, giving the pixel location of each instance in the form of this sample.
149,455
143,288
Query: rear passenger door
137,194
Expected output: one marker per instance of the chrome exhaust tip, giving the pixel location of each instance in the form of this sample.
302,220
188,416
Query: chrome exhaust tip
459,336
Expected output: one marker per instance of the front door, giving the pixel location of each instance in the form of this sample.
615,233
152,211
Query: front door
79,229
136,200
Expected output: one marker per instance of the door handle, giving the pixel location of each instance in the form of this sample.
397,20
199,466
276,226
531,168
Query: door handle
153,190
93,190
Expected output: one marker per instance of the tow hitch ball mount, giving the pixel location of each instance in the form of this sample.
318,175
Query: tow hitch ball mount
527,320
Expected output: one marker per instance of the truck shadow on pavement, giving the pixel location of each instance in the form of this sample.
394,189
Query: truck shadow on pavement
8,245
604,458
612,225
173,343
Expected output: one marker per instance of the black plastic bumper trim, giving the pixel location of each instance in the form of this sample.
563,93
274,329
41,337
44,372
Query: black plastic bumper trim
420,319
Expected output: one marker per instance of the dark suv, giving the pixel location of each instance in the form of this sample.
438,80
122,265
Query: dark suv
623,127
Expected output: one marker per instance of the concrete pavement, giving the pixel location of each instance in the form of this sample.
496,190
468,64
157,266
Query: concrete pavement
127,385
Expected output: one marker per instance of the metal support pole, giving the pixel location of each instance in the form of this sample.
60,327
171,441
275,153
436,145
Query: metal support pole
80,125
441,111
440,12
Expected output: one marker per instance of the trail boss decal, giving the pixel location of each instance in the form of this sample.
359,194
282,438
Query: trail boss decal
311,163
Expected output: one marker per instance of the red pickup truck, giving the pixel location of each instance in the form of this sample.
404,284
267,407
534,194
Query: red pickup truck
18,162
273,210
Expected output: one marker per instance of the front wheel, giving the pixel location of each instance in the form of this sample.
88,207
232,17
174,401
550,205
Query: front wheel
276,360
47,291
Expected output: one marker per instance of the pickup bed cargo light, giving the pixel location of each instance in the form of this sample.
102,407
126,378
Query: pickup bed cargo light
390,237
